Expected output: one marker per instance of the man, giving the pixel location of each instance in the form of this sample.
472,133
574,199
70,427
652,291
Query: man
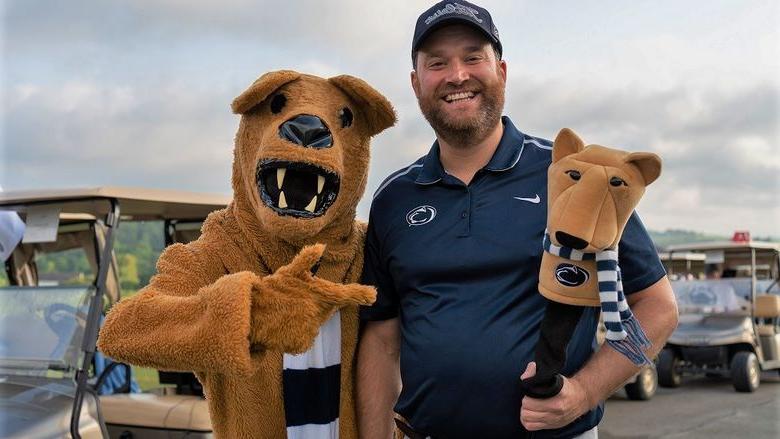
454,246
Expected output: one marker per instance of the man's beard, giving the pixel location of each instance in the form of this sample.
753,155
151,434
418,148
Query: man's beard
463,133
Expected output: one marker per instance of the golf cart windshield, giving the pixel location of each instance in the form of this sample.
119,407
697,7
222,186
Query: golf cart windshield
41,328
713,296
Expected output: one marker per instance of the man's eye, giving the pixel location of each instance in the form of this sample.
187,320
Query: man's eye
575,175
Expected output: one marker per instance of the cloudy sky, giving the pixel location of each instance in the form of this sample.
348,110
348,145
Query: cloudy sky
137,92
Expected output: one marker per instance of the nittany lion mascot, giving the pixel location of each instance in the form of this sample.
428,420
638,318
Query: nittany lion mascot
263,306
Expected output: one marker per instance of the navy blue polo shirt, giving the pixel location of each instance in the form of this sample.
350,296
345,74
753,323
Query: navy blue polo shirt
459,264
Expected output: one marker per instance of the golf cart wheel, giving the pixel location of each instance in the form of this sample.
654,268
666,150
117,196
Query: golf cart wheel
668,375
745,372
644,387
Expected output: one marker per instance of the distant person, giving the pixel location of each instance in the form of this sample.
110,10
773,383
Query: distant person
713,271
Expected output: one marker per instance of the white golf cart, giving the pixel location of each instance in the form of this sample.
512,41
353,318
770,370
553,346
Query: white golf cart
729,322
49,323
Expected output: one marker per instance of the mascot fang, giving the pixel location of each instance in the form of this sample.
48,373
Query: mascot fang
263,306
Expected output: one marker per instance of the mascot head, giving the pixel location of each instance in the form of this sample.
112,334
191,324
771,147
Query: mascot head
593,190
302,151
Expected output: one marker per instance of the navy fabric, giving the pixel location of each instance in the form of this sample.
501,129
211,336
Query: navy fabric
311,395
459,266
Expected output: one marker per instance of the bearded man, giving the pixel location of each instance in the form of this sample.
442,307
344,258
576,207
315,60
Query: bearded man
454,246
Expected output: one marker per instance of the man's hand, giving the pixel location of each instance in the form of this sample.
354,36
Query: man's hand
556,412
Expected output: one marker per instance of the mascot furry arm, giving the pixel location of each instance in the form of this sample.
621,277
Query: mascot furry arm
237,305
592,192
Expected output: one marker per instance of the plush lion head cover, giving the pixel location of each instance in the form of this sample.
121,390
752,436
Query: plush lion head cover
592,191
301,156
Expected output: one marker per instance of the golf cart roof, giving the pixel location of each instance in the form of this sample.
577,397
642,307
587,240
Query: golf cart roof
724,245
135,203
681,256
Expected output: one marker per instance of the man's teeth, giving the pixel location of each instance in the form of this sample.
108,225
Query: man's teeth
320,184
280,176
312,204
459,96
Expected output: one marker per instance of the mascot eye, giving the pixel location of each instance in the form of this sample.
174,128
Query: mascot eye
617,181
346,117
277,103
575,175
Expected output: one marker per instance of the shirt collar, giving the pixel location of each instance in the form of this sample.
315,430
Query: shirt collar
505,157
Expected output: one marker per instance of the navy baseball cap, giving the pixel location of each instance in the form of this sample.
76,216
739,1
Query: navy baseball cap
455,12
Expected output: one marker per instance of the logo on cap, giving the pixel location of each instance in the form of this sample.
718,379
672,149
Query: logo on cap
455,8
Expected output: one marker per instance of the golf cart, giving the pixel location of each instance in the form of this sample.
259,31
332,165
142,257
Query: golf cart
683,265
49,321
729,323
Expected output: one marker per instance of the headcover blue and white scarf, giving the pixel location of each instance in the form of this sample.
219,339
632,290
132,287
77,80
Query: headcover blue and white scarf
624,334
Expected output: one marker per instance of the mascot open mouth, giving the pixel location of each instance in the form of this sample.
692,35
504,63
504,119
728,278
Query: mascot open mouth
296,189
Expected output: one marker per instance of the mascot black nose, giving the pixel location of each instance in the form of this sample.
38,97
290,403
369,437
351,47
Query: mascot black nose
306,130
572,241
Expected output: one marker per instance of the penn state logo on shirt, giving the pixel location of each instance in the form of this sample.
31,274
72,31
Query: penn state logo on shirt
570,275
421,215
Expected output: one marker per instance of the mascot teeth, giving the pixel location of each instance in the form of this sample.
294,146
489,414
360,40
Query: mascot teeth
296,189
312,204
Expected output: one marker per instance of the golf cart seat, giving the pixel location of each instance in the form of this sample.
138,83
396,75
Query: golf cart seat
767,306
768,312
146,410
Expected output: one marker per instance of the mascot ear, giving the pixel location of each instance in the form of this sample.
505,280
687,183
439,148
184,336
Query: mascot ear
566,143
648,163
261,89
377,111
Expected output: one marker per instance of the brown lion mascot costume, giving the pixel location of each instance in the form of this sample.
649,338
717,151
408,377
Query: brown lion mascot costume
263,306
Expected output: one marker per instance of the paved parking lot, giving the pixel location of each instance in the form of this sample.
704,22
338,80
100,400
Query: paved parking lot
700,408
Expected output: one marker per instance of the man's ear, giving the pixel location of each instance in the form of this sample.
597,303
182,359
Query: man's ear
261,89
375,108
566,143
648,163
415,83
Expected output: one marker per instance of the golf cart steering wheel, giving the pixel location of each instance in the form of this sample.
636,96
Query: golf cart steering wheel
57,316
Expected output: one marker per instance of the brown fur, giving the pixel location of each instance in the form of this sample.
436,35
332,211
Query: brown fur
590,209
229,304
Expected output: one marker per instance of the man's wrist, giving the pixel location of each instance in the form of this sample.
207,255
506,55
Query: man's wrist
588,397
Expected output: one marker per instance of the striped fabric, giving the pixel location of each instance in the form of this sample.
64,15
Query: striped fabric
624,334
311,385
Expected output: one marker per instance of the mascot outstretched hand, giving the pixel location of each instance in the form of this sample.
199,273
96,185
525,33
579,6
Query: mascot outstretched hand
592,192
263,306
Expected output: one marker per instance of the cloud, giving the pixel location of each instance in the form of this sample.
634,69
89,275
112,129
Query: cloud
137,92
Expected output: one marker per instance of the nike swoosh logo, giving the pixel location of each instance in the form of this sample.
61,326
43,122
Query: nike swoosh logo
534,200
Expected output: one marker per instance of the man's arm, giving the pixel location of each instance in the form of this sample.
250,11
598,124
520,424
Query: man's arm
378,378
656,310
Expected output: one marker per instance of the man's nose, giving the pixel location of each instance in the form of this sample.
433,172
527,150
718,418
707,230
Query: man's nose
458,73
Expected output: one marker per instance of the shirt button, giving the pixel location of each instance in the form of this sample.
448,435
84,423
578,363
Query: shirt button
464,214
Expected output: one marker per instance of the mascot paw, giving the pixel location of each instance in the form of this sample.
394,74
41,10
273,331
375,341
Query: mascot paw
289,306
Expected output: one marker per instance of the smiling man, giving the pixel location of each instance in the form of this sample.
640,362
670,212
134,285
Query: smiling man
454,247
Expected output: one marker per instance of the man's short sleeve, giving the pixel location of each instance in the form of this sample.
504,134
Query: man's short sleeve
638,258
375,273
